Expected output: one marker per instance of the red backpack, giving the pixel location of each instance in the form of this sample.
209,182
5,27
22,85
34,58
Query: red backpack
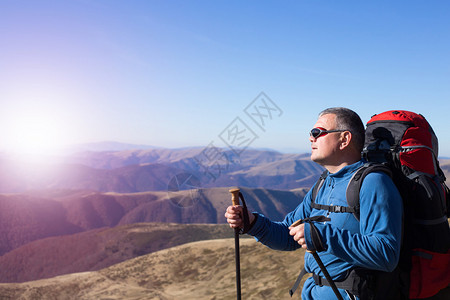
406,143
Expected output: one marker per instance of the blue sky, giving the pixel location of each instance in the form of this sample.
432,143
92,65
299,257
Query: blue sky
179,73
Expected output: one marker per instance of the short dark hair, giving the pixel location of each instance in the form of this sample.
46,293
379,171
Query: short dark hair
347,119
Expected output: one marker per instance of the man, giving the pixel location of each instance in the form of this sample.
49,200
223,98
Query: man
372,243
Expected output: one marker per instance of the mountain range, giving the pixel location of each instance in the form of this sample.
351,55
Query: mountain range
70,214
27,218
134,171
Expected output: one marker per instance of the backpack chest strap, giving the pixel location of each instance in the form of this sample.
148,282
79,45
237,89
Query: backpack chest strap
333,208
329,208
352,191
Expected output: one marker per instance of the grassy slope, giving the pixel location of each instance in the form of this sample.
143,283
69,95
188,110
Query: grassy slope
199,270
100,248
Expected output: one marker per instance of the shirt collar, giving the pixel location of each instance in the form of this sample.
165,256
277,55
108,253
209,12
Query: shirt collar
347,169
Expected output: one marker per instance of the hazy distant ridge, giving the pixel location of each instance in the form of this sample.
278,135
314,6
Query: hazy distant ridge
133,171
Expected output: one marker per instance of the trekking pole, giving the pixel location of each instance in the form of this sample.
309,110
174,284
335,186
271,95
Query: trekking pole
235,200
321,266
327,275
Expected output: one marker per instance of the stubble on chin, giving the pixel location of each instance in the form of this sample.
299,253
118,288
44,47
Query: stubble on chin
314,155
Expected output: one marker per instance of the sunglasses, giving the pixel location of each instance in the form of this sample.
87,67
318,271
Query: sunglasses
318,132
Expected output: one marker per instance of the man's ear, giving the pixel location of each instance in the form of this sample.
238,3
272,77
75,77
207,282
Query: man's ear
346,137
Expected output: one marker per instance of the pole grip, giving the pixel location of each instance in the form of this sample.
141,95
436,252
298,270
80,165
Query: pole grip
296,223
235,196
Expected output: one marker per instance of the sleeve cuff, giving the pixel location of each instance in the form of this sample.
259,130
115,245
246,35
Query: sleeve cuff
255,225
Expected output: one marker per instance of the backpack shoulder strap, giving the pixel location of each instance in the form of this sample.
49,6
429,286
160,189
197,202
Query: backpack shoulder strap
330,208
318,185
353,188
355,183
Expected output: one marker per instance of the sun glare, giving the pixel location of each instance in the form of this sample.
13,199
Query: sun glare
35,132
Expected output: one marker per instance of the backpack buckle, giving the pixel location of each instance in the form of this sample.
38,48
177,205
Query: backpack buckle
339,209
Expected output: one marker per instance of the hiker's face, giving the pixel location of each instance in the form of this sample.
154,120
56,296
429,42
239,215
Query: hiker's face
325,148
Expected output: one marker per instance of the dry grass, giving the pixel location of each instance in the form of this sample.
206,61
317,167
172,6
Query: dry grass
198,270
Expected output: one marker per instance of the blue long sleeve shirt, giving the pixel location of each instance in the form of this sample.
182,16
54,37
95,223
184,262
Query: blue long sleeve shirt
371,243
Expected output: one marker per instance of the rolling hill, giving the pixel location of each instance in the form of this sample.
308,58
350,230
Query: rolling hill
100,248
40,214
199,270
